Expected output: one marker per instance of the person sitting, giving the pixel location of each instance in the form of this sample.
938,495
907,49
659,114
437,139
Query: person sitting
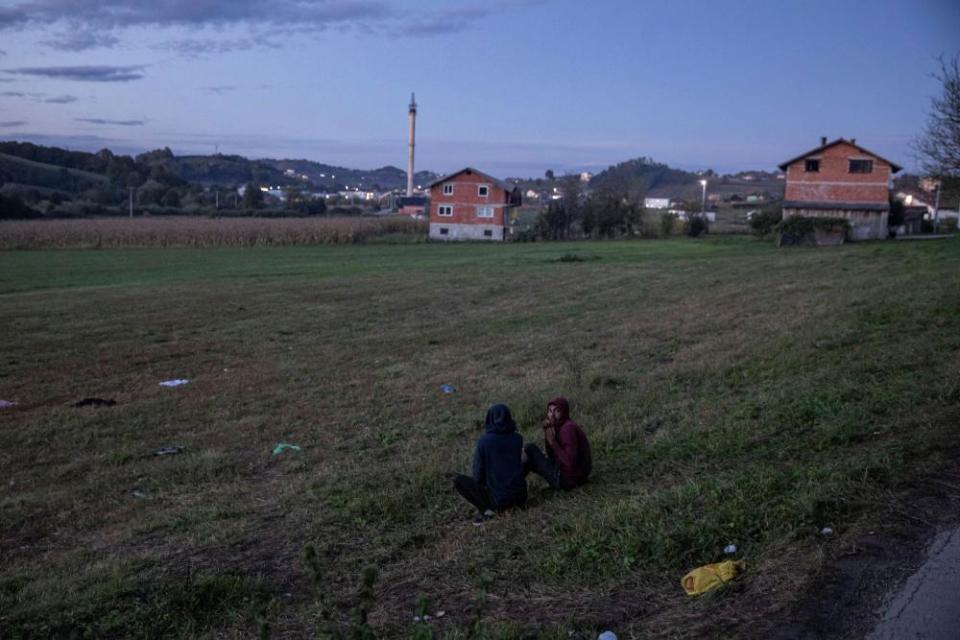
568,461
498,481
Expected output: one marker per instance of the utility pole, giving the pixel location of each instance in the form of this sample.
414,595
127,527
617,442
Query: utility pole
218,200
131,200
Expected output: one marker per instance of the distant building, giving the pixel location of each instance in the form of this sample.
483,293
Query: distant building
841,179
656,203
471,205
413,206
585,176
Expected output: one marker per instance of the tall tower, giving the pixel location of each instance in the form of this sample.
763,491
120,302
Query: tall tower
413,129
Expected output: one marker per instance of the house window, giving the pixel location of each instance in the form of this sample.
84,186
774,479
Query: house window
861,166
448,189
445,210
483,190
484,212
813,166
488,233
444,231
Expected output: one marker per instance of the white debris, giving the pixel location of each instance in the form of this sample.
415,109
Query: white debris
607,635
730,549
175,382
826,531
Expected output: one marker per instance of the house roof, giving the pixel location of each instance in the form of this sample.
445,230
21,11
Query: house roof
893,166
506,186
411,201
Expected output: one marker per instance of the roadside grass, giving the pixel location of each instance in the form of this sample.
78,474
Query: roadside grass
733,393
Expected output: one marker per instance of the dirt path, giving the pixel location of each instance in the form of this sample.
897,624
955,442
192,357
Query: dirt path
927,605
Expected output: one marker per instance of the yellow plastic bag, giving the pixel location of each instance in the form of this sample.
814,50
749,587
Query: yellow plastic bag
707,577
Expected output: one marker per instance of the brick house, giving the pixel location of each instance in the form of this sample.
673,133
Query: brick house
471,205
841,179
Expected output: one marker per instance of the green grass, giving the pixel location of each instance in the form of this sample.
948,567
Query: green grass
733,393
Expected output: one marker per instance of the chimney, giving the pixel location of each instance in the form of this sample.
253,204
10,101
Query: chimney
823,140
853,141
413,128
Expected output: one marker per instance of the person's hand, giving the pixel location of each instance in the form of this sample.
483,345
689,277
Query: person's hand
550,434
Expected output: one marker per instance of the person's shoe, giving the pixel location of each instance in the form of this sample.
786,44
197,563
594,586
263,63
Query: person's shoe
484,517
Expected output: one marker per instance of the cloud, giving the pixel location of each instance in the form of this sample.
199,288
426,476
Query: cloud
12,123
61,99
2,52
197,47
220,89
87,25
443,22
13,94
121,123
81,41
113,14
88,73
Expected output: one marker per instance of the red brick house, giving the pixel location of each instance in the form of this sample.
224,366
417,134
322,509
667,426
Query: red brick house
471,205
841,179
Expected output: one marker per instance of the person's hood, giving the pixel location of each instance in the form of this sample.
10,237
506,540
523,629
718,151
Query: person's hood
563,405
499,420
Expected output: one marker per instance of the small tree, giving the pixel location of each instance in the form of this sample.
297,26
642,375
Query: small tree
252,197
171,198
939,146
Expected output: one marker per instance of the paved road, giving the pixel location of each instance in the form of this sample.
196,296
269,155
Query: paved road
927,606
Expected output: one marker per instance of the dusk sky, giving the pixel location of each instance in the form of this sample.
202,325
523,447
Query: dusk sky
510,87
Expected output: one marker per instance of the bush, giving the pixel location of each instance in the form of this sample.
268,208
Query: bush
667,222
950,225
12,207
763,223
697,226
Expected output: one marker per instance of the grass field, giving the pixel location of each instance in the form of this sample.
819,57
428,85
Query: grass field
733,393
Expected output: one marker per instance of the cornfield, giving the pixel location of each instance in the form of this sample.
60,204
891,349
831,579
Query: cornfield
106,233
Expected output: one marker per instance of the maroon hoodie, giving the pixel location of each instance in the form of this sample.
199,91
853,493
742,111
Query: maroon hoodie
571,450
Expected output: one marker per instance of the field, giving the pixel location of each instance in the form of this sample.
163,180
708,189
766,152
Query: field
733,393
198,231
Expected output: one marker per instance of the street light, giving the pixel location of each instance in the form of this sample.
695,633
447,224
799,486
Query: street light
703,200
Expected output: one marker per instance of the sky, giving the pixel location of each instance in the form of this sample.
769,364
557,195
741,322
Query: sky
511,87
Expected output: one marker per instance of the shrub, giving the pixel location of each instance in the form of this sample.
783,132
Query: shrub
764,222
698,225
667,223
801,225
12,207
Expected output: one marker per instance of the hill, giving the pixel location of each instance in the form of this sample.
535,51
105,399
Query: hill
204,170
658,180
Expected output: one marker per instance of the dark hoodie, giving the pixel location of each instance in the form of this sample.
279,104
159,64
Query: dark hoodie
571,450
496,461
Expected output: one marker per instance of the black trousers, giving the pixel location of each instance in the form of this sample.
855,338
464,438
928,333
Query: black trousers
474,493
543,466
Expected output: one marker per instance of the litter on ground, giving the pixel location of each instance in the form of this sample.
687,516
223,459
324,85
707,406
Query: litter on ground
607,635
168,451
6,404
711,576
95,402
447,388
175,382
143,495
282,446
730,549
826,531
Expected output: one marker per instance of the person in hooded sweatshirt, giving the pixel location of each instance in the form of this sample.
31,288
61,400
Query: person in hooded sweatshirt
568,461
498,481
